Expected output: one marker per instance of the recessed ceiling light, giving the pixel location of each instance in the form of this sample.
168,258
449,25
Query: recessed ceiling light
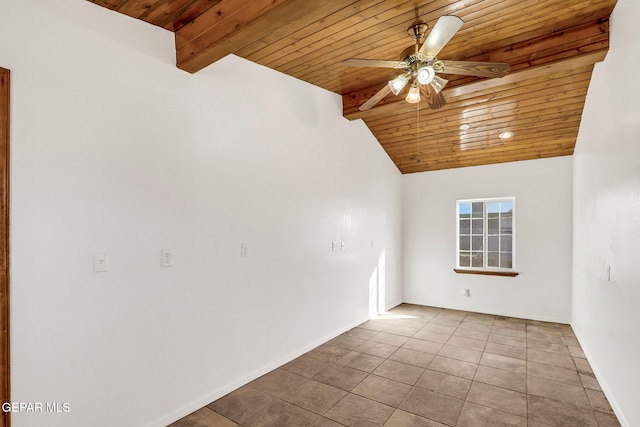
465,126
506,135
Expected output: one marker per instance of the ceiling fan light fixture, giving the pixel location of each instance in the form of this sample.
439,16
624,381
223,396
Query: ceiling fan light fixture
438,83
398,83
426,74
413,97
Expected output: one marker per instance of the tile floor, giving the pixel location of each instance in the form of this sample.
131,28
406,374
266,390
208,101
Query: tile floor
425,366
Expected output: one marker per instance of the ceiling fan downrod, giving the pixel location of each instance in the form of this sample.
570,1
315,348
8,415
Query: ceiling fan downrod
417,31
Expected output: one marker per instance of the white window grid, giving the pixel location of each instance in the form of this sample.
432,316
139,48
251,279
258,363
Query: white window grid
485,234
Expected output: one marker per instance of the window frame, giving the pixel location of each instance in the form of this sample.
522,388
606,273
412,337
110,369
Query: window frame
486,269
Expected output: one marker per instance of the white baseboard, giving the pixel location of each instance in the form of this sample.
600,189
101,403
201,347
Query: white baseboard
531,316
602,382
223,391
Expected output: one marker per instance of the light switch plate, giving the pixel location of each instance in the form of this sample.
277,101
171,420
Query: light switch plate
100,262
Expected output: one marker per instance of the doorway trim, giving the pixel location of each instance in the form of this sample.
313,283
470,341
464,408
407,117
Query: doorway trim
5,380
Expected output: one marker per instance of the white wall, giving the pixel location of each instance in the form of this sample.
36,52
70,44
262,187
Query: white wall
606,314
542,189
116,150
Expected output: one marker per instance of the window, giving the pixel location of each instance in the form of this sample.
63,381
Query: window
486,235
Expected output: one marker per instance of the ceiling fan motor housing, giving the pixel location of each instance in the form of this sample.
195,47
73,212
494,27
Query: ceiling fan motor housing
413,61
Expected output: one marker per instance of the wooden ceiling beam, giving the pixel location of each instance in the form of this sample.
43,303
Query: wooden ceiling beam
232,25
530,73
576,47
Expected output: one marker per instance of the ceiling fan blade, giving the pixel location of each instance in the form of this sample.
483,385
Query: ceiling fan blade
434,99
358,62
473,68
375,98
442,32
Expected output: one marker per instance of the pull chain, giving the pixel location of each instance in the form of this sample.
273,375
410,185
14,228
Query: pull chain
418,131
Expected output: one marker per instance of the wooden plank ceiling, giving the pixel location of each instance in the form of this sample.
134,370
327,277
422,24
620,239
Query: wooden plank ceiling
550,45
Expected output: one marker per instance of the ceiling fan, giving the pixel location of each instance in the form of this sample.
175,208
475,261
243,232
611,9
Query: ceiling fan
422,65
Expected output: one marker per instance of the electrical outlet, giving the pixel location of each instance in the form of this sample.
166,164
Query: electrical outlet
467,293
166,258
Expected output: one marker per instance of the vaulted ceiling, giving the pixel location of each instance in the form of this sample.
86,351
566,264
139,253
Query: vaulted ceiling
550,45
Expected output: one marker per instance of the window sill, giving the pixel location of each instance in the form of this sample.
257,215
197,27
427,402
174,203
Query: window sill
487,272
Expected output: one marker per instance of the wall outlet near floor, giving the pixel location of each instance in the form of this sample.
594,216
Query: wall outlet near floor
467,293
